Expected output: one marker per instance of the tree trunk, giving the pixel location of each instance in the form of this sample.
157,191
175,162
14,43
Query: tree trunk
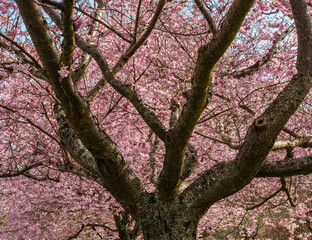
173,222
164,230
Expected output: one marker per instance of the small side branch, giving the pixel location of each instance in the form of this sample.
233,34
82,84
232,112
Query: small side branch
82,68
21,171
41,178
19,50
207,16
230,144
286,190
104,24
255,67
29,121
125,89
81,172
132,48
175,108
264,200
83,226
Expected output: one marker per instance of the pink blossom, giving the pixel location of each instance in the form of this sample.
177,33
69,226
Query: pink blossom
63,72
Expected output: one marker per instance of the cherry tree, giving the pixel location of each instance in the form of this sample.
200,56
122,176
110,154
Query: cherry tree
155,119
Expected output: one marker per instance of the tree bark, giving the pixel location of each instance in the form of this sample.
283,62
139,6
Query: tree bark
169,221
164,226
163,232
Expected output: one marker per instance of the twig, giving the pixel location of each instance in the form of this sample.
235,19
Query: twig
286,190
255,67
20,172
265,200
31,123
207,16
104,24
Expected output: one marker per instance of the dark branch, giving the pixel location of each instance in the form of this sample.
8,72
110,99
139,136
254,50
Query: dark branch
92,225
29,121
41,178
68,44
20,172
265,200
19,50
207,16
286,190
190,162
286,168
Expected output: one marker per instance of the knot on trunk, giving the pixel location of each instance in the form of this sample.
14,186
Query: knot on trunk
260,124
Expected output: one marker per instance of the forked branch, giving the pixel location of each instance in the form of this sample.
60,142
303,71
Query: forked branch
226,178
208,56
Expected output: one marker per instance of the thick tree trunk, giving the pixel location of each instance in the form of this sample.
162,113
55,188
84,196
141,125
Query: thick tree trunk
164,230
173,222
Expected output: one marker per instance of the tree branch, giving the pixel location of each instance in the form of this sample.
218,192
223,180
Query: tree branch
126,90
20,172
190,162
83,226
284,144
104,24
207,16
230,144
132,48
19,50
286,168
31,123
137,19
286,190
81,70
117,176
81,172
265,200
226,178
53,4
68,44
38,29
208,56
278,145
255,67
43,178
